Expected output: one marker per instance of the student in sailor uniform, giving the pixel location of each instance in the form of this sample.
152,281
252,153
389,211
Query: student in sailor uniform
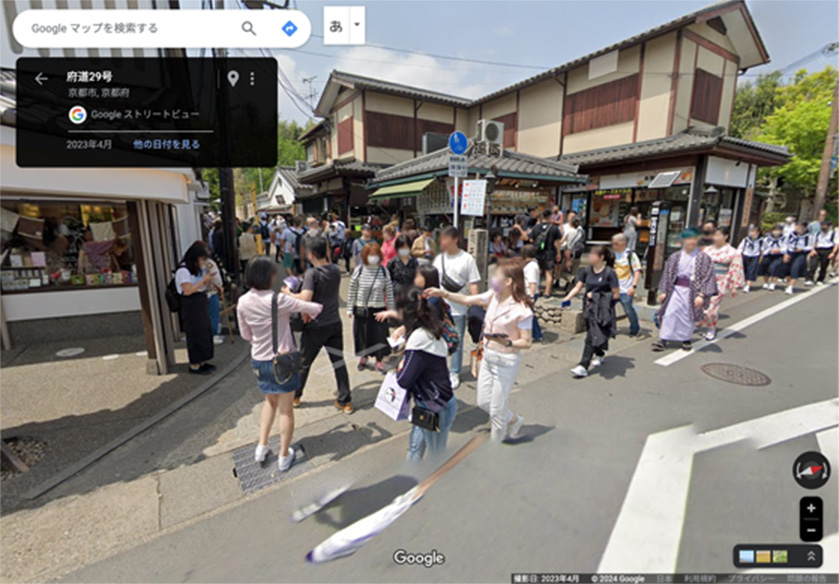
749,248
799,246
825,246
773,247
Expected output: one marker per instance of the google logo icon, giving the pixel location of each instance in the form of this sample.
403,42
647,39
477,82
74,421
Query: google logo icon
77,114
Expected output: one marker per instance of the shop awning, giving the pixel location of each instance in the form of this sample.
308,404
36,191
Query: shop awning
411,189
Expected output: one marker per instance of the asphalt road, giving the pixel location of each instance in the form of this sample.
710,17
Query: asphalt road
640,467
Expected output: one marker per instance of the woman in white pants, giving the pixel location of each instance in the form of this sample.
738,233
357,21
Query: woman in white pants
507,330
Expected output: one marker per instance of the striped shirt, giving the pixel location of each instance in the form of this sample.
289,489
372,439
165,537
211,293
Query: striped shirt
370,287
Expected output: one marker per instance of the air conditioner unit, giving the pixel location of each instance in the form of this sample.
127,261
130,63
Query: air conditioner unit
302,166
491,132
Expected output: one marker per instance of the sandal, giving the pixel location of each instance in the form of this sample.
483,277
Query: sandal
687,346
362,364
658,347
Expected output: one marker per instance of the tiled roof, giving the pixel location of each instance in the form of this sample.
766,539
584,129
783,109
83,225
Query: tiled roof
511,163
289,175
692,139
312,131
361,82
349,166
658,30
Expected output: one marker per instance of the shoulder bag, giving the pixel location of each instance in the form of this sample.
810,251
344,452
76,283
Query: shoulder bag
448,283
288,363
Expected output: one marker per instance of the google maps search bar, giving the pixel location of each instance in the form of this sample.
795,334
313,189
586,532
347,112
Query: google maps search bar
167,29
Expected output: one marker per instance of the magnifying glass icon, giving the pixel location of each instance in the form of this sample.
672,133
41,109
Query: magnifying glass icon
247,26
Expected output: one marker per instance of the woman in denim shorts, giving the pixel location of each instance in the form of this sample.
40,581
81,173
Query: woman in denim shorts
254,313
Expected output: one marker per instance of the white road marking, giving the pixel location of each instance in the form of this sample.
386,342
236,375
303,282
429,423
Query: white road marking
679,354
648,532
829,446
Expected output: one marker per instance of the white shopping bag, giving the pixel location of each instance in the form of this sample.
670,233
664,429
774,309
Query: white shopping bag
393,399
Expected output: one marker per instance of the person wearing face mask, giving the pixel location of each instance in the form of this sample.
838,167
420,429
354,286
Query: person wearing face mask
789,225
773,248
371,292
799,246
728,271
403,267
708,229
506,332
686,285
191,281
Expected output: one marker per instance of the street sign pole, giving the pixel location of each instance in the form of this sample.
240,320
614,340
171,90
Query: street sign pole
456,203
457,147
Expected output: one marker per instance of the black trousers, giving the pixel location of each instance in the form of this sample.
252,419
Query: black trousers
331,337
590,351
195,318
820,262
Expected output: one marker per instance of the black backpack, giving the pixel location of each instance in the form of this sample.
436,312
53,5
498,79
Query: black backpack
173,298
264,232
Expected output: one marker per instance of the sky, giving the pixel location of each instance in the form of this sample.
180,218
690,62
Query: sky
528,34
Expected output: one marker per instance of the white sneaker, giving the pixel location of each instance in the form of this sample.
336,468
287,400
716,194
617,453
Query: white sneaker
789,290
218,339
766,286
513,431
808,283
579,371
285,462
771,287
596,361
746,289
710,335
819,283
455,379
260,453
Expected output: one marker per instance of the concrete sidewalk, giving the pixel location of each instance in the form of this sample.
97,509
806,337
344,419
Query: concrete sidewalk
182,468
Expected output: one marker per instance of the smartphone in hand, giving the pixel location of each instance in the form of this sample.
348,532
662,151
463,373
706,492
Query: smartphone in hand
565,304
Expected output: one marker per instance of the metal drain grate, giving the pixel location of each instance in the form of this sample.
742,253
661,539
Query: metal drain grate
736,374
254,476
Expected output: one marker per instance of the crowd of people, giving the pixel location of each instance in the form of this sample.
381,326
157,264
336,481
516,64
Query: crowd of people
412,298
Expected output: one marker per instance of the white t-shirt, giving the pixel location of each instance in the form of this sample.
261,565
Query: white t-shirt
531,275
626,264
462,269
182,276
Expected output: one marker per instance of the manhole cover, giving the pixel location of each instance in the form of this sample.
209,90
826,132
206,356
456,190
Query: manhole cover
736,374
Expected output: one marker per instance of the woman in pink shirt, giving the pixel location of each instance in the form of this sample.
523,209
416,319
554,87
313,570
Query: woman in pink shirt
507,330
254,313
388,244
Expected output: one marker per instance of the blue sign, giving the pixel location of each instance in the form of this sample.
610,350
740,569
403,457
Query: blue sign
458,142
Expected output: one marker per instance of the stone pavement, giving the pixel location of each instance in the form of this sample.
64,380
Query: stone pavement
181,468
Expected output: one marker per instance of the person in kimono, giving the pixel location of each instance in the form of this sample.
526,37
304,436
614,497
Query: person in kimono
728,271
772,250
749,249
686,286
799,246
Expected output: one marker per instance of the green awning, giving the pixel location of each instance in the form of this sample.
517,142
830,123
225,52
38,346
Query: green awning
411,189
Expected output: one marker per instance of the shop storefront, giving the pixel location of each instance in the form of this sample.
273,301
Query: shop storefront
675,182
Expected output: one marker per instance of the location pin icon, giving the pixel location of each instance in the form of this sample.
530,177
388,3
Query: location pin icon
233,77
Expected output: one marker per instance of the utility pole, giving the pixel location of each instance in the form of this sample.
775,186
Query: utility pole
225,175
311,94
827,156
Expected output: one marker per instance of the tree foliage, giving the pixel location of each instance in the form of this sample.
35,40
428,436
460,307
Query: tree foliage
800,121
289,150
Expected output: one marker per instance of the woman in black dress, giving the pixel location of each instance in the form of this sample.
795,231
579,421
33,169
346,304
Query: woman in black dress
403,267
191,281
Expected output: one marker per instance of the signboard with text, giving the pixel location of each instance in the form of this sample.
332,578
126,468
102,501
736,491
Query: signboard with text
473,200
458,165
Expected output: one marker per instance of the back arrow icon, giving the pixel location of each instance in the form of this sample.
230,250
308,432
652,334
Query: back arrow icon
40,78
